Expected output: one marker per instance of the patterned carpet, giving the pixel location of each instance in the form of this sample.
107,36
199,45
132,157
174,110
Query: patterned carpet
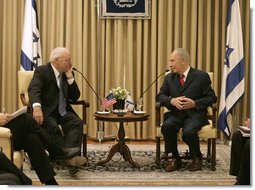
119,172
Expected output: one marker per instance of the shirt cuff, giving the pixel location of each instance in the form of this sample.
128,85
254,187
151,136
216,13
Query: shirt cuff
36,104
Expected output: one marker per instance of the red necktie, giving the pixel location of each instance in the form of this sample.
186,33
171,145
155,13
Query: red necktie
182,79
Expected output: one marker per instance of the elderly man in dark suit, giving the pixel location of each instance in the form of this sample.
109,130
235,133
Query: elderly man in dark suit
187,93
33,139
10,174
50,90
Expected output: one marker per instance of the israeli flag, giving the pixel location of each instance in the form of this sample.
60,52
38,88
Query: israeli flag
31,45
129,103
232,87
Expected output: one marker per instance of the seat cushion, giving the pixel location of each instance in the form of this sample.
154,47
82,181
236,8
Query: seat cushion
18,158
207,131
5,141
5,144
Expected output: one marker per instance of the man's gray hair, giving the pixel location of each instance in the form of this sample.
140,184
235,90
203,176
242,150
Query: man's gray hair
183,53
56,53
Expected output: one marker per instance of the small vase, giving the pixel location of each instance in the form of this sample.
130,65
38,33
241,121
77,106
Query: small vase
119,105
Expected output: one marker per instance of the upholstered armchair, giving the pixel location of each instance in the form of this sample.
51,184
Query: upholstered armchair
207,133
24,78
6,145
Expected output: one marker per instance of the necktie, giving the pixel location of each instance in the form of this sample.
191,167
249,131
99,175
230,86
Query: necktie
62,100
182,79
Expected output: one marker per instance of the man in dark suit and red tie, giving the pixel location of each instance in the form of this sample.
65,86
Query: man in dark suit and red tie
187,93
50,90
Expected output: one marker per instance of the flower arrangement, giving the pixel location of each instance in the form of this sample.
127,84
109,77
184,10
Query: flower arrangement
119,93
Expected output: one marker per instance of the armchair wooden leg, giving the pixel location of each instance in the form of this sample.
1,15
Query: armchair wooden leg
209,155
84,150
158,152
213,161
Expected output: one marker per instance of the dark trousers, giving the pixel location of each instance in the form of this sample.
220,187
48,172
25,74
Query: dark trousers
31,137
171,126
10,174
7,178
72,128
240,158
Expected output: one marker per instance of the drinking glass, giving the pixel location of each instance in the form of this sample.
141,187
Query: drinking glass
139,104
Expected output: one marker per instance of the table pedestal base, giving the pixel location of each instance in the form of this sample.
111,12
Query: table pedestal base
120,147
123,149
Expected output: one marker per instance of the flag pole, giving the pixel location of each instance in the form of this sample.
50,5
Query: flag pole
98,53
100,125
233,127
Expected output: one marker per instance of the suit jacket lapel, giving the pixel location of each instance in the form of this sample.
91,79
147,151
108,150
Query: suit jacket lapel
52,75
189,79
177,83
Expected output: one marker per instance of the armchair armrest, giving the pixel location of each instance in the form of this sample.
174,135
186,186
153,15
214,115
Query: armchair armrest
6,142
5,132
23,99
85,104
25,102
213,115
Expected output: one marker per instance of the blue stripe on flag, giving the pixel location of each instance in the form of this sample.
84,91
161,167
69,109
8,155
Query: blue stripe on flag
35,8
34,5
234,77
229,11
222,123
26,63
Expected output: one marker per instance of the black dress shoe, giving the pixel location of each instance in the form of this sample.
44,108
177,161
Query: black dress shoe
66,153
196,164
